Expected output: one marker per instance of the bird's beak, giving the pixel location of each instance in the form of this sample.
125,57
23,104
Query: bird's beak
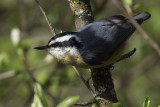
42,47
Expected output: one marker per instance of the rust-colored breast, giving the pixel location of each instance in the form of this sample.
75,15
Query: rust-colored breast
115,57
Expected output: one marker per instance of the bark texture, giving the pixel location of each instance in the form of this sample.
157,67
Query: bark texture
104,87
82,12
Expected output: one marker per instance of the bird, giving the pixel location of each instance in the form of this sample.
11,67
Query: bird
95,45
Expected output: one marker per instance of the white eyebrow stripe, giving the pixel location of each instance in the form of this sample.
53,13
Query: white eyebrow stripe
61,39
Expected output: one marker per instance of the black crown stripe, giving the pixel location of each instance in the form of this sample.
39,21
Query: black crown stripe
72,42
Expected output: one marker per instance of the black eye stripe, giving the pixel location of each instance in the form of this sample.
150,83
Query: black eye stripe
70,43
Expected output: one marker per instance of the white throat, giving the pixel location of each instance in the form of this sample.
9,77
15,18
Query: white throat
65,54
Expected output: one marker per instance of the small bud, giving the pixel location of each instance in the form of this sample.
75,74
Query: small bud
20,52
3,59
15,36
127,3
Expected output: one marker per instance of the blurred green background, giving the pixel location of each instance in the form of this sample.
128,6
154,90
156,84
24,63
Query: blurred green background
23,27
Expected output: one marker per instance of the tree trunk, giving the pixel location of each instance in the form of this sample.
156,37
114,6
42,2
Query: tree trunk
104,87
101,77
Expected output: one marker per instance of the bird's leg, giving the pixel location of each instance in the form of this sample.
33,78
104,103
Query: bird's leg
127,55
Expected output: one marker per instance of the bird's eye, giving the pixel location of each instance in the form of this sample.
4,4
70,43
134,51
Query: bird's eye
55,44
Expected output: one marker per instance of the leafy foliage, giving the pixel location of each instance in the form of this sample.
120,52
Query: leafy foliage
116,105
39,99
146,102
24,27
69,101
95,105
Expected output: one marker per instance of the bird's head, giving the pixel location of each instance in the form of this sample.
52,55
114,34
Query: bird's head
64,47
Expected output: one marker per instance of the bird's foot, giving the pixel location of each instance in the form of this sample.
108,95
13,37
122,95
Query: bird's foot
127,55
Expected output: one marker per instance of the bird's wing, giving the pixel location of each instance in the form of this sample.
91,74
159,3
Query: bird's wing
103,37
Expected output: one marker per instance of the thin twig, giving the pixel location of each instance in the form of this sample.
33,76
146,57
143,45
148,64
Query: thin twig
27,67
53,32
8,74
31,94
84,81
140,68
48,81
138,27
42,64
33,79
49,24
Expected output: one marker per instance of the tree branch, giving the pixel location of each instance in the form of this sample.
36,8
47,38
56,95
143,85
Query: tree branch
140,68
102,80
47,20
104,87
8,74
82,12
138,27
48,81
54,33
84,81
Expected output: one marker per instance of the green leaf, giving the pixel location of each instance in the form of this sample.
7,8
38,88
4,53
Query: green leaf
136,6
25,44
95,105
117,105
69,101
158,106
127,3
39,99
3,59
20,52
146,102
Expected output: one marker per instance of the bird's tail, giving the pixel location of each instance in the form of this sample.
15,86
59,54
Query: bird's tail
142,17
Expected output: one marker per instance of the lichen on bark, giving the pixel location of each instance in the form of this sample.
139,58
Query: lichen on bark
82,12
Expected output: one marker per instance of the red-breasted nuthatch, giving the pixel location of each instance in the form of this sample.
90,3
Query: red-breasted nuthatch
97,44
